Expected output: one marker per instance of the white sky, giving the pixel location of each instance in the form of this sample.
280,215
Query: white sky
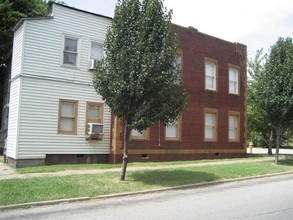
256,23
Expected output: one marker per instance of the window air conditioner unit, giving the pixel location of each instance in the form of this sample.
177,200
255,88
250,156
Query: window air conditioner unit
93,64
95,129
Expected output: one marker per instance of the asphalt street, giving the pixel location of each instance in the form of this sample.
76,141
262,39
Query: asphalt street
266,198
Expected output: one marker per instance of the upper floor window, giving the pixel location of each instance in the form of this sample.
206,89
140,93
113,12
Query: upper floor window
67,120
136,135
211,74
211,117
70,52
234,126
233,80
97,51
173,131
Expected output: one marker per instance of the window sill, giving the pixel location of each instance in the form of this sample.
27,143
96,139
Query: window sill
69,66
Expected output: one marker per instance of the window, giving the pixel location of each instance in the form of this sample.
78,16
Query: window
210,74
234,125
94,113
70,51
136,135
233,80
210,133
173,131
97,51
67,121
178,64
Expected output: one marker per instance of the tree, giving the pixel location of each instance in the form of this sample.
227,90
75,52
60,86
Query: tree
274,88
11,11
260,130
137,78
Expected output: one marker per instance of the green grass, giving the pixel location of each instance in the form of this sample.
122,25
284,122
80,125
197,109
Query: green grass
56,168
47,188
63,167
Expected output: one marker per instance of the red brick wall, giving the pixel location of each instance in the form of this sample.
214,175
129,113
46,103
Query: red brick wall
195,47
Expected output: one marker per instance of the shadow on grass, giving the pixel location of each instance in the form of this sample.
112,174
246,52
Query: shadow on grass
172,177
288,161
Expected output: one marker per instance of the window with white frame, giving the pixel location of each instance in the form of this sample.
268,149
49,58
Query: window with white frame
210,74
172,131
97,51
70,52
136,135
233,80
210,133
67,120
234,126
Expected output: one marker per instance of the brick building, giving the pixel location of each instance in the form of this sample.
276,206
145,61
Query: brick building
214,123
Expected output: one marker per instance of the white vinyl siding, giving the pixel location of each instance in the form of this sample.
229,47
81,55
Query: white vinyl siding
13,120
44,43
39,120
17,51
42,80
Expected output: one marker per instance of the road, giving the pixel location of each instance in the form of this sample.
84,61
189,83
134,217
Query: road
266,198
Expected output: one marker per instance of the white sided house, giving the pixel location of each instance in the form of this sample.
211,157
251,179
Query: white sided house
55,113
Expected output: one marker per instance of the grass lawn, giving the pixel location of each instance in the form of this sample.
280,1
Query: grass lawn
56,168
47,188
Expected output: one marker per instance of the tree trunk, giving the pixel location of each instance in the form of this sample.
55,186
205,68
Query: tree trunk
278,145
125,151
270,143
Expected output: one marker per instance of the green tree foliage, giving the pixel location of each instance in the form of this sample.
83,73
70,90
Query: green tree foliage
259,129
11,11
138,78
274,88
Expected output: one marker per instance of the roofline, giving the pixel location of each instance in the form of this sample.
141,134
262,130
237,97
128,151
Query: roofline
50,15
190,28
50,3
20,22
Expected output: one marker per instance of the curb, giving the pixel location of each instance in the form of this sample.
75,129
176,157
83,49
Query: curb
117,195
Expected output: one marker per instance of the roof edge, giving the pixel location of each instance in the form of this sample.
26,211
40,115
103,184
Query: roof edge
50,4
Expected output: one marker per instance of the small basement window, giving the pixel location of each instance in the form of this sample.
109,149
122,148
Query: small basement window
217,154
145,156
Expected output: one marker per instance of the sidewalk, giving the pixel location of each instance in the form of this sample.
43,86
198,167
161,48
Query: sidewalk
7,172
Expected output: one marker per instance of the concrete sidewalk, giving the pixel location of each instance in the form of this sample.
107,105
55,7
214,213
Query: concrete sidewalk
7,172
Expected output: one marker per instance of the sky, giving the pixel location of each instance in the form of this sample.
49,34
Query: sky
255,23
